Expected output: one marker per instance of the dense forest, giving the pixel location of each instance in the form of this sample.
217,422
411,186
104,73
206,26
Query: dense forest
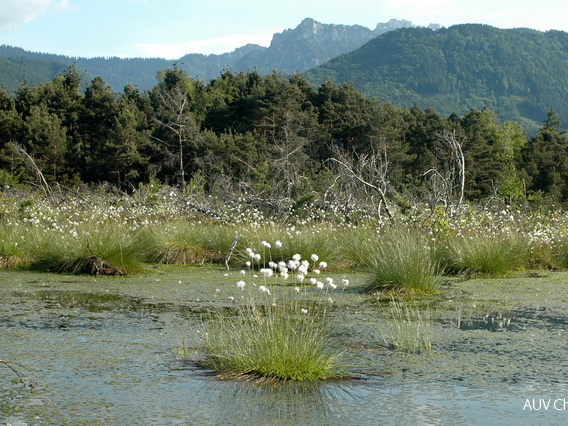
272,137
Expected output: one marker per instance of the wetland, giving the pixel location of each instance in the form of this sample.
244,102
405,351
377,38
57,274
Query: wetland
124,350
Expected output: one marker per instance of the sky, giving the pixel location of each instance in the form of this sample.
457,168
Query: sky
172,28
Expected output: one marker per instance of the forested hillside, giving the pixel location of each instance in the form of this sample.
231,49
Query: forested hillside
274,136
518,73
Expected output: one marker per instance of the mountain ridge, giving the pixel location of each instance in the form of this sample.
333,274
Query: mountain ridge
280,55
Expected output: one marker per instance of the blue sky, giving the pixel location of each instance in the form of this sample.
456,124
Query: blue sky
172,28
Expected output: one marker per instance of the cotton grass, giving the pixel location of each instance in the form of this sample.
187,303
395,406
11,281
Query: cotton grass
277,334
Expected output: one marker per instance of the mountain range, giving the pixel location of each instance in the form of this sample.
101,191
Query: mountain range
518,73
294,50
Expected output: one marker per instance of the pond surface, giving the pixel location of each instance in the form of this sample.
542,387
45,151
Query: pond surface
105,350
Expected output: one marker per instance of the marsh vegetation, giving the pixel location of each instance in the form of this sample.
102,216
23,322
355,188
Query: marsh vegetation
278,327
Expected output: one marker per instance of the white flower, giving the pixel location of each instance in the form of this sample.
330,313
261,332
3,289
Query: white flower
272,265
257,256
317,271
333,286
267,272
320,285
248,264
303,269
313,281
304,311
284,275
297,257
329,280
264,289
330,300
300,277
277,244
323,265
241,284
297,289
315,257
291,265
266,244
243,272
345,282
248,250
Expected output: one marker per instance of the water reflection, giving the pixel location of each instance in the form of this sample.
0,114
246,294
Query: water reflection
490,321
295,403
514,320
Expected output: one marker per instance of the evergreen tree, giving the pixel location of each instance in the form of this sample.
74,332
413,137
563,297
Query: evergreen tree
546,159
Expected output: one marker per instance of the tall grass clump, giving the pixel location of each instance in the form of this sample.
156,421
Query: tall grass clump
104,249
356,246
551,254
183,242
401,260
12,251
274,343
286,336
485,253
407,331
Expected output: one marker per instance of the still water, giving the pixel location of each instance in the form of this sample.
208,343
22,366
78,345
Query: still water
105,350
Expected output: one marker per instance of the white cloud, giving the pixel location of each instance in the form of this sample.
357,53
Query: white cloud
16,12
215,45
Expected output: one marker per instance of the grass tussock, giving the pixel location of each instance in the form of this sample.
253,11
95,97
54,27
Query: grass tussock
485,254
401,261
181,242
107,250
272,341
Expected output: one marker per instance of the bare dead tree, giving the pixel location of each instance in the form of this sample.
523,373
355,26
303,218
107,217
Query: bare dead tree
448,174
32,166
289,157
179,120
370,170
